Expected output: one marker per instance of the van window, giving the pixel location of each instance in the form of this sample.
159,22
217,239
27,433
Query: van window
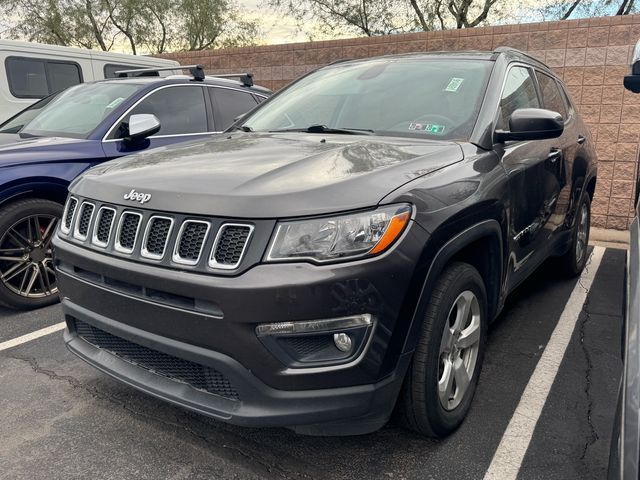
110,70
37,77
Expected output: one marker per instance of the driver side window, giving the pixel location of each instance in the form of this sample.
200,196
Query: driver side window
519,92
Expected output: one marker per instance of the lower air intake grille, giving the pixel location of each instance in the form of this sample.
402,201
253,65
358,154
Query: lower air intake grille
198,376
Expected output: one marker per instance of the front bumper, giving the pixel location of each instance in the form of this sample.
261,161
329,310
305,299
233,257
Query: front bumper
219,332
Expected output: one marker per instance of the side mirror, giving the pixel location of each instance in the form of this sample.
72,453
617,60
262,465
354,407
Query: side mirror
532,124
141,126
632,81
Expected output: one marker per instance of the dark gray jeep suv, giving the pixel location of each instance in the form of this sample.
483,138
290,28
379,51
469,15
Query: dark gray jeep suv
337,254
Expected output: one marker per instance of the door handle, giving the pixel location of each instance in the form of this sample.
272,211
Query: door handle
581,139
554,155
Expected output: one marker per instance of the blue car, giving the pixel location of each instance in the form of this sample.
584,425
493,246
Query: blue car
43,148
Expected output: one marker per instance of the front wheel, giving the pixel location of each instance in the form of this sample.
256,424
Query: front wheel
27,278
442,379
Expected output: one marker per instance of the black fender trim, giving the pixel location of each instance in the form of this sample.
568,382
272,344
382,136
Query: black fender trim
442,257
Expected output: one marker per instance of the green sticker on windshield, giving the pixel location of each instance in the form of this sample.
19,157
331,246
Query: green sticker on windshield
454,84
431,128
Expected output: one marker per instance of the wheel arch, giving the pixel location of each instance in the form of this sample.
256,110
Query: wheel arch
470,246
47,188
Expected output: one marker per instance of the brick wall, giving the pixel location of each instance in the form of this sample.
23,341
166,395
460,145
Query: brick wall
591,55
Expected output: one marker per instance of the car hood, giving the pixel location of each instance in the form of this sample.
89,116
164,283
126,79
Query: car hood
255,175
15,150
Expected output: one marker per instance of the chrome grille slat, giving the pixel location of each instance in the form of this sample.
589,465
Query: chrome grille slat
103,226
127,233
69,211
83,221
230,245
190,242
156,236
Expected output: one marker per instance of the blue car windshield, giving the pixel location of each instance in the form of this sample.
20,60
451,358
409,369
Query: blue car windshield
77,111
411,96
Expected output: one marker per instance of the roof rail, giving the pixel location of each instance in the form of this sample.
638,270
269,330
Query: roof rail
503,49
197,71
245,78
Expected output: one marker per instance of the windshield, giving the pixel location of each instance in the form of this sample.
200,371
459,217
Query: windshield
407,97
15,123
77,111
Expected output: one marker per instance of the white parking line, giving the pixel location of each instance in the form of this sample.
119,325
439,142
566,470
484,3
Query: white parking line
32,336
517,437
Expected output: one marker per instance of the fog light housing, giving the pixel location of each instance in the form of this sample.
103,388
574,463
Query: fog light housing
342,341
316,343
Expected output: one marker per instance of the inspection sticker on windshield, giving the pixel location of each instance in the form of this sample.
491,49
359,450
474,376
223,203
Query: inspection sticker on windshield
428,128
454,84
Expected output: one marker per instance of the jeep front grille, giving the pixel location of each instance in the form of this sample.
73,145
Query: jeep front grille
167,239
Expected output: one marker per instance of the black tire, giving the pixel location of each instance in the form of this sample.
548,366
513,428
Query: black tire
36,254
571,264
420,407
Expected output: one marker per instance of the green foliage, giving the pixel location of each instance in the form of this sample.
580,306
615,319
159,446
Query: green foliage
150,26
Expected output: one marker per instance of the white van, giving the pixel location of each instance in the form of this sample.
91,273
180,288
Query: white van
31,71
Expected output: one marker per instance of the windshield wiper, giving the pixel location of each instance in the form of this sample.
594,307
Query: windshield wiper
325,129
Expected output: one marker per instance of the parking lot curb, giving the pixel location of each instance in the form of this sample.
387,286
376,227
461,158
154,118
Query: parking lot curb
609,238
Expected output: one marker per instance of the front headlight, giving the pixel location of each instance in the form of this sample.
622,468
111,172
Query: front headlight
335,238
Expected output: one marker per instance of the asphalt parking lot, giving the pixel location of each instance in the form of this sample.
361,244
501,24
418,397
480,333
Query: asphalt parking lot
63,419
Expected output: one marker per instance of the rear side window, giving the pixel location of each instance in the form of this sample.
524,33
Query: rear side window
181,110
37,78
229,104
551,95
519,92
110,70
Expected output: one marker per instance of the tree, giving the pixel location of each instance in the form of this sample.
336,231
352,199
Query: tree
381,17
565,9
152,26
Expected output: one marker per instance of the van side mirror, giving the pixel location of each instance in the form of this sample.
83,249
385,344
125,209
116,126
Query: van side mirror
532,124
632,81
141,126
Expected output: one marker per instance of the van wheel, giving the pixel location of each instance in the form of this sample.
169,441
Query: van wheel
574,261
443,375
27,278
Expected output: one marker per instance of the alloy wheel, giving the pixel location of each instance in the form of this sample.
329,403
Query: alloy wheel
26,261
459,350
583,231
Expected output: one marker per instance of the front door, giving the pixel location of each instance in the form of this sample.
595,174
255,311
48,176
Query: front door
182,111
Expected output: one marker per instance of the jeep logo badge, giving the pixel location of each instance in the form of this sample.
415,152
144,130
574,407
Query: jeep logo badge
137,196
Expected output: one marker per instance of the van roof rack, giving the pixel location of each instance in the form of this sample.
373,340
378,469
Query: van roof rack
197,71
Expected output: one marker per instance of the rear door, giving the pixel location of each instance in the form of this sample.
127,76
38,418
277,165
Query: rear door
229,104
567,145
534,175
